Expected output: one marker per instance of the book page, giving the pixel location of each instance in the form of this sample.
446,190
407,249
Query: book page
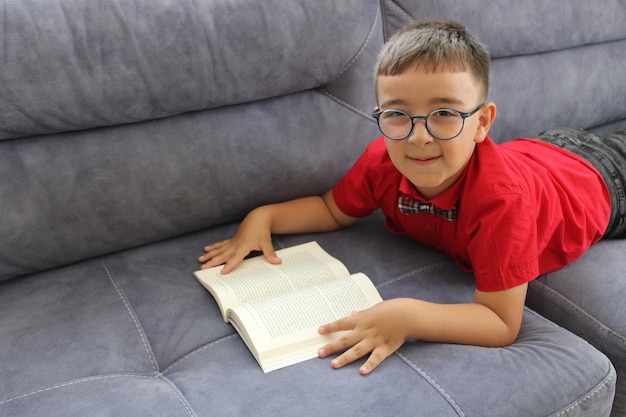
256,279
282,330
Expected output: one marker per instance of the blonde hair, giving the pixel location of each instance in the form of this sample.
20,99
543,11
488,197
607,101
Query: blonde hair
436,45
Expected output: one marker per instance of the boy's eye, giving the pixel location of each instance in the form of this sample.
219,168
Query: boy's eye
443,113
390,114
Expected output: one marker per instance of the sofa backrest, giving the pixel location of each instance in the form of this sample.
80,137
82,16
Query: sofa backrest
554,63
126,122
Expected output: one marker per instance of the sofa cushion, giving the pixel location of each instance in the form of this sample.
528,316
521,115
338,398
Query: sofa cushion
80,194
92,64
512,28
587,297
136,334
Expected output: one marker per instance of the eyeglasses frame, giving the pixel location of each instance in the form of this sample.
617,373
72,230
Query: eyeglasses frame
464,115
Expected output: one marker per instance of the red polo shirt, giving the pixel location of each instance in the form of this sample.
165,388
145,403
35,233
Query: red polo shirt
524,208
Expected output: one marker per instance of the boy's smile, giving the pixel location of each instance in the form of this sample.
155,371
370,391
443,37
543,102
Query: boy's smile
433,165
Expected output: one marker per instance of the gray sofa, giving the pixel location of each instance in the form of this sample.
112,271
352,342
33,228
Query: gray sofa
134,132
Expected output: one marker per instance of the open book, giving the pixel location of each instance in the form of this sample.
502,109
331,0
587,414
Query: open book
277,309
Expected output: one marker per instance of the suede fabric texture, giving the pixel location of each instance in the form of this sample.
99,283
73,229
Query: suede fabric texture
133,133
100,190
587,298
100,63
134,333
107,189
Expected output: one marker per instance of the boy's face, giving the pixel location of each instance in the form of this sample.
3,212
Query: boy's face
433,165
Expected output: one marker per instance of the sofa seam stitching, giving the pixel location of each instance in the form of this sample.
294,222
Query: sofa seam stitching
200,349
98,378
432,382
126,375
393,3
75,382
361,49
177,393
556,51
345,104
133,317
578,402
583,314
349,65
412,273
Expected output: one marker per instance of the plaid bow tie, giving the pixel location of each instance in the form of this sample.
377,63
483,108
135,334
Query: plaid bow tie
409,206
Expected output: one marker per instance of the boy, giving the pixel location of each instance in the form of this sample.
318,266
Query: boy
508,213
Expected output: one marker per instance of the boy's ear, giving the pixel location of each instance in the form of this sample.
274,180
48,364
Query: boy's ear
486,116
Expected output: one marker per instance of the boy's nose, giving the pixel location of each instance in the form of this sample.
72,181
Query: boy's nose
420,135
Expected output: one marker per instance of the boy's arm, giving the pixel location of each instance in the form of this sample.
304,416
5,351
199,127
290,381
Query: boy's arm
303,215
492,320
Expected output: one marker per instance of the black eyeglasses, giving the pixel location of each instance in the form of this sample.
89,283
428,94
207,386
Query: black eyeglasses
442,124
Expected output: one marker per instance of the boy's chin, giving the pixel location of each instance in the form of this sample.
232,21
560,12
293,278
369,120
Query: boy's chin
429,190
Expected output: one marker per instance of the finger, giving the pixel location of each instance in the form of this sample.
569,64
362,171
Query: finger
212,263
216,245
230,265
356,352
268,251
214,258
376,358
346,323
234,260
212,251
341,343
206,257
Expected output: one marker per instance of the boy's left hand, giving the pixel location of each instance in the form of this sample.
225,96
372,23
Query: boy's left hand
381,330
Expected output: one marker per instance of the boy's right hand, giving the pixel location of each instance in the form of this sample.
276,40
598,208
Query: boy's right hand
230,252
302,215
253,235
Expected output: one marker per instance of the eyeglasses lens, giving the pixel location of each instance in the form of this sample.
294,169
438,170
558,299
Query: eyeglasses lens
442,124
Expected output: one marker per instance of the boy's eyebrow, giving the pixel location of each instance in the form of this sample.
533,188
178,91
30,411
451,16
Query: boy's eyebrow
392,103
434,101
446,100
